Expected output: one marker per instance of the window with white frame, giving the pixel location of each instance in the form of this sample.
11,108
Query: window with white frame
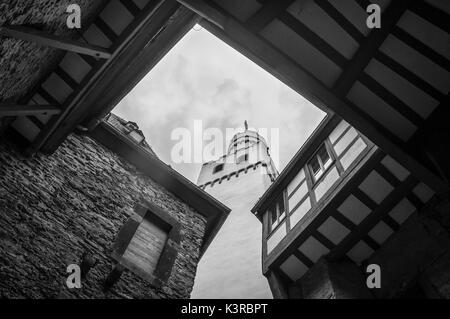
277,213
320,162
335,155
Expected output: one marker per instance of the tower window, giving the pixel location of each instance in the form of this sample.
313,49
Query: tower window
320,162
242,158
218,168
277,213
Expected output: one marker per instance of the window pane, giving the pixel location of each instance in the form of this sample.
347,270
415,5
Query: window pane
314,165
273,214
318,174
281,205
323,154
274,225
327,163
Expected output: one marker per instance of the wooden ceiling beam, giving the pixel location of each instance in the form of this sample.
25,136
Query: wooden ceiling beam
205,11
300,80
369,46
26,110
128,45
433,15
337,16
266,14
46,39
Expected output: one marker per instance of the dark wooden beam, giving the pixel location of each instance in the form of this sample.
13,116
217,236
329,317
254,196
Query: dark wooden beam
66,77
305,260
369,46
375,216
25,110
128,46
433,15
397,104
270,11
303,31
418,45
387,175
46,39
131,7
205,11
106,29
337,16
388,220
370,242
363,3
47,96
36,122
408,75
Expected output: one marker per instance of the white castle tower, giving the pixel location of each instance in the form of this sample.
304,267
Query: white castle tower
231,267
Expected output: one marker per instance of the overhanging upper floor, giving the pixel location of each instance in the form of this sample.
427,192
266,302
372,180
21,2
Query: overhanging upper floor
340,197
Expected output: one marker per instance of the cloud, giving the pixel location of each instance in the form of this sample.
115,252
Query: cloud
202,78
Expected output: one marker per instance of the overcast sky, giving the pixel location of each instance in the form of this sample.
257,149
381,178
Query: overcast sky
202,78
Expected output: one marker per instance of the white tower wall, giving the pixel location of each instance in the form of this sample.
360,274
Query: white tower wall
231,267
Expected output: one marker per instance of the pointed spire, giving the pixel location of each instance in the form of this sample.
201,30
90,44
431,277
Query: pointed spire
246,125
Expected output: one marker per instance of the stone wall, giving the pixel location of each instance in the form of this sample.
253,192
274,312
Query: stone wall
54,209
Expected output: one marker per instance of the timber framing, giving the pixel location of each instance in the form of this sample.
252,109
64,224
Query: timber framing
316,216
154,33
379,212
26,110
249,43
159,26
46,39
370,45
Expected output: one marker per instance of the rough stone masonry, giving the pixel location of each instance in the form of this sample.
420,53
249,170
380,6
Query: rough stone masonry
56,208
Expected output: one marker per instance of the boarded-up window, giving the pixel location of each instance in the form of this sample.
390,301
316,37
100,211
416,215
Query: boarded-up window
147,243
146,246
